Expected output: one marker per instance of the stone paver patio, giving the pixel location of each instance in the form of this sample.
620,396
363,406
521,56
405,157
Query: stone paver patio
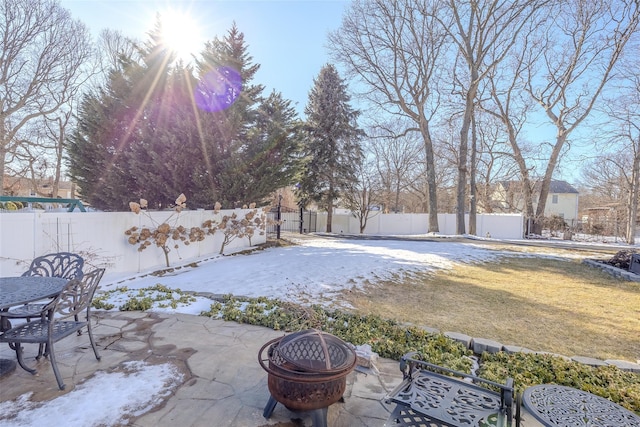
223,384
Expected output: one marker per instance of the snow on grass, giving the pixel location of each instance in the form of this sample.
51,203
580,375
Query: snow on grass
129,393
316,269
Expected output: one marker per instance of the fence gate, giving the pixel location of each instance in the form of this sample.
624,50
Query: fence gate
309,221
297,222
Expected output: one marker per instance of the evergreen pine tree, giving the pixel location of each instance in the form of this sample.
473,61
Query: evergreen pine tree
227,100
271,160
148,134
111,144
332,145
170,159
98,157
161,157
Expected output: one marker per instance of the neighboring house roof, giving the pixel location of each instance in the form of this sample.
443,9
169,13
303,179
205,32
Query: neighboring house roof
555,186
561,187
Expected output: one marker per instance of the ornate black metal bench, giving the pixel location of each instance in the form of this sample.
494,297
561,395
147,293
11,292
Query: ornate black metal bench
431,395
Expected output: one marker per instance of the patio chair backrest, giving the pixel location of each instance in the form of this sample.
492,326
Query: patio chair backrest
76,296
62,264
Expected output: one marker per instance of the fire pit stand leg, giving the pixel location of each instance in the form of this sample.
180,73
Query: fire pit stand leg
268,410
318,416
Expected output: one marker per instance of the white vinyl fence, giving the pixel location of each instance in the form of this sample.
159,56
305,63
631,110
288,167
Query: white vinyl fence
498,226
100,238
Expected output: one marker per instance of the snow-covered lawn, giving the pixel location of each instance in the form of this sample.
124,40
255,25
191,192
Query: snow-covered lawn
314,270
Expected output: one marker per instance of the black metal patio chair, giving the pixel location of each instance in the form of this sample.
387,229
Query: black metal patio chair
57,323
65,265
60,264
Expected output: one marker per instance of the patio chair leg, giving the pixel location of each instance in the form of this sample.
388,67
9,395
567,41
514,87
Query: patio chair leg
41,352
46,350
18,349
93,343
54,365
79,330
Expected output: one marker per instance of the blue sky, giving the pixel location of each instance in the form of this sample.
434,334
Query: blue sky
286,37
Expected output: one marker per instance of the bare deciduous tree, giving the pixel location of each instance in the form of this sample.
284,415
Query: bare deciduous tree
41,67
393,48
607,196
576,59
113,46
503,100
363,196
494,159
484,33
396,158
624,113
56,131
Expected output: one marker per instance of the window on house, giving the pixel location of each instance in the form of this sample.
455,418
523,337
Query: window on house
554,199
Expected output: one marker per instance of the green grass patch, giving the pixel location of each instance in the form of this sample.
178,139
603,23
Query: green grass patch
158,296
391,339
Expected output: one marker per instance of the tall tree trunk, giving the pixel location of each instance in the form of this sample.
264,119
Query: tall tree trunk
462,176
59,151
632,205
2,163
4,143
461,192
556,93
546,180
329,208
431,176
473,202
364,213
527,186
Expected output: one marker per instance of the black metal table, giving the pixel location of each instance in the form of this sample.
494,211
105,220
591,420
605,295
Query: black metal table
561,406
21,290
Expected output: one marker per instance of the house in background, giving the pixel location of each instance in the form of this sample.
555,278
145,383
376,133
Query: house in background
562,199
14,186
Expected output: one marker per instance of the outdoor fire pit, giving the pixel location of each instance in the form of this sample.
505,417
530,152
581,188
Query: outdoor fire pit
307,372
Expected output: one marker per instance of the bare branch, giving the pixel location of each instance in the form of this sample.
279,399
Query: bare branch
41,66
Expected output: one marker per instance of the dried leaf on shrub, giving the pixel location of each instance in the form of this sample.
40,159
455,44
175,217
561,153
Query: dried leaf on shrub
135,207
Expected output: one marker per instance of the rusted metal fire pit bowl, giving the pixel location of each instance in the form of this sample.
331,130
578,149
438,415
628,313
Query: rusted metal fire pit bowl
307,370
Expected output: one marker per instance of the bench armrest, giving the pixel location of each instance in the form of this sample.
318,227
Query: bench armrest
409,364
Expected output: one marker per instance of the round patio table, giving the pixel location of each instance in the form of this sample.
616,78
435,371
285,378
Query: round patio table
21,290
561,406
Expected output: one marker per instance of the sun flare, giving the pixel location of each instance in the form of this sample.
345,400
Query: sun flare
181,34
